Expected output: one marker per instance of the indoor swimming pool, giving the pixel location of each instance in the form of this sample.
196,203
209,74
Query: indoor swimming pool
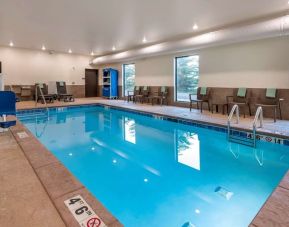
152,172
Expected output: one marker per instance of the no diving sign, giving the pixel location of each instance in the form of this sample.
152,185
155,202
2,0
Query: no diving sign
93,222
83,213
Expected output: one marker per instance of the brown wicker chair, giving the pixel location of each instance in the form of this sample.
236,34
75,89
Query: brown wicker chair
241,98
203,96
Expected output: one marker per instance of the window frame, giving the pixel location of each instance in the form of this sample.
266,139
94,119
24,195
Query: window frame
123,77
175,75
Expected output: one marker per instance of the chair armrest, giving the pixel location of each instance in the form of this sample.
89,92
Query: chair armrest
281,99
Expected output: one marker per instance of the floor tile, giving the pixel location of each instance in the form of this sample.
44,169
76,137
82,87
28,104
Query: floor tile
275,212
23,200
57,180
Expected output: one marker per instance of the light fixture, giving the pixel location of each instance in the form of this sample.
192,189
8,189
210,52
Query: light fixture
93,148
70,154
114,161
43,48
11,44
70,51
146,180
195,27
113,48
144,40
91,53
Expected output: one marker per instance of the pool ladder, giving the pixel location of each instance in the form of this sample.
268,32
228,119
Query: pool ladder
42,96
234,137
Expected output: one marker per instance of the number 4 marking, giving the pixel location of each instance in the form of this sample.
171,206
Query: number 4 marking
72,201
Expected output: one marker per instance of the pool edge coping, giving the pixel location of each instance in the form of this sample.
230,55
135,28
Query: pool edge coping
76,187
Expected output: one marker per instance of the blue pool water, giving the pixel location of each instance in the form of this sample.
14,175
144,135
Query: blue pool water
150,172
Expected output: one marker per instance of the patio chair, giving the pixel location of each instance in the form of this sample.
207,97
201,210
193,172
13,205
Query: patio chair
203,96
7,109
240,98
161,96
62,92
44,89
143,95
272,101
131,94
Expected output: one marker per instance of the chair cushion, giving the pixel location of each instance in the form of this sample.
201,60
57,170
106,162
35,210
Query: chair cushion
242,92
145,88
136,88
203,91
271,92
163,89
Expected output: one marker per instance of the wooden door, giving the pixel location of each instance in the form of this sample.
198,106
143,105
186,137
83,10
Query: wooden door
91,82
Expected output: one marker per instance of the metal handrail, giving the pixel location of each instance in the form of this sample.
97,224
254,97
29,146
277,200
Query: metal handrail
235,109
42,96
258,116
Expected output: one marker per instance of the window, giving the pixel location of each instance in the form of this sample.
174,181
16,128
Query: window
128,78
186,77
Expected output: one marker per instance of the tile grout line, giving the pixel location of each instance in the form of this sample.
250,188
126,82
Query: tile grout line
81,187
287,189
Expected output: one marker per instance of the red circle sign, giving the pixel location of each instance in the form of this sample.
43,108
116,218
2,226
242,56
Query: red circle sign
93,222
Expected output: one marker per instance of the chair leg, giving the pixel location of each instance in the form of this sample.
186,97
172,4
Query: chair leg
201,107
190,105
280,113
209,108
249,109
275,113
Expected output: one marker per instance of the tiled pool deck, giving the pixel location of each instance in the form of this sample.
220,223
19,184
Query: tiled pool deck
51,183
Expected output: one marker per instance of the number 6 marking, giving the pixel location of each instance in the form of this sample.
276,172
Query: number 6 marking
81,210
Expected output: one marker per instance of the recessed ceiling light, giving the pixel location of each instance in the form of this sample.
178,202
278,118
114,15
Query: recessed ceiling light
43,48
195,27
144,40
113,48
70,51
91,53
11,44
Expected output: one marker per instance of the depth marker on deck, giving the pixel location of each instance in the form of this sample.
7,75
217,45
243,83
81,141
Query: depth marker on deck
22,135
83,213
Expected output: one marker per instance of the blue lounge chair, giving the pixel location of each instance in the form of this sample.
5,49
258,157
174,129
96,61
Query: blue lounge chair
7,108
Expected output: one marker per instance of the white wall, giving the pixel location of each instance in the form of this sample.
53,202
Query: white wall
25,67
255,64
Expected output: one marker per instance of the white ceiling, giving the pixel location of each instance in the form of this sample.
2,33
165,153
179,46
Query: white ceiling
97,25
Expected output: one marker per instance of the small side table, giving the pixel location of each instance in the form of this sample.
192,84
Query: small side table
224,107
